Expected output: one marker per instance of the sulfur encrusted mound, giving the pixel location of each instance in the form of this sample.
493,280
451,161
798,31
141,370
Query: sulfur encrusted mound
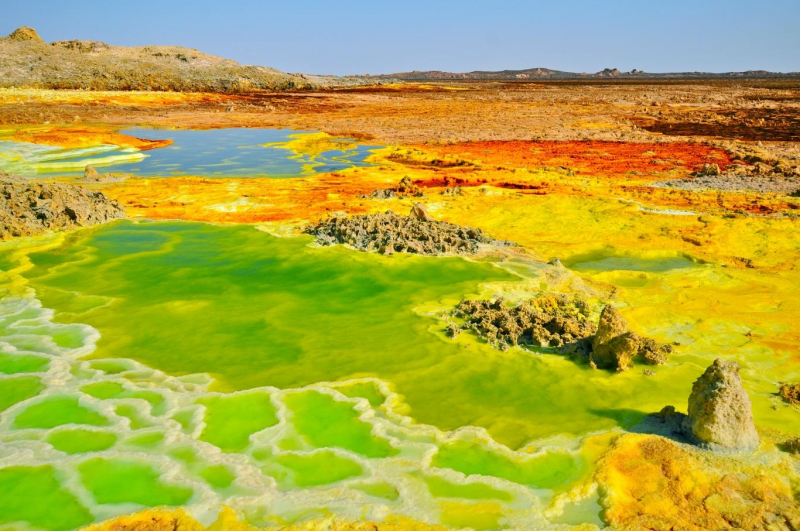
720,414
615,347
559,321
554,321
790,392
29,208
390,233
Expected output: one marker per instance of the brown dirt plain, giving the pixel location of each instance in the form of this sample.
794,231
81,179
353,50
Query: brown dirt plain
749,110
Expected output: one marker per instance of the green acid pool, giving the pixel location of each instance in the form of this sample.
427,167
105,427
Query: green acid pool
186,364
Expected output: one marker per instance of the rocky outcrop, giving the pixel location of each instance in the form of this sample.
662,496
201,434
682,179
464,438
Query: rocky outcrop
563,322
615,347
792,446
91,175
720,414
552,321
420,213
709,170
24,34
406,187
30,208
30,62
390,233
790,392
776,176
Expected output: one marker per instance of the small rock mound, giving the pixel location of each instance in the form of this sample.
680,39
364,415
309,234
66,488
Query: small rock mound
563,322
420,213
405,188
390,233
91,175
720,414
82,46
553,321
790,392
791,446
615,347
24,33
709,170
28,208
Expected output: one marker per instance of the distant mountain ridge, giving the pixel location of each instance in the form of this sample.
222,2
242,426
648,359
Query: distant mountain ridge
547,73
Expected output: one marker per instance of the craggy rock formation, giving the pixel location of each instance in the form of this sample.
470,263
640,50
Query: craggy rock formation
720,413
792,446
752,173
405,188
392,233
559,321
555,321
709,169
91,175
28,208
649,482
452,191
652,352
614,346
790,392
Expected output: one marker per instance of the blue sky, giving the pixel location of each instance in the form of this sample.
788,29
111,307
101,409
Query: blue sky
383,36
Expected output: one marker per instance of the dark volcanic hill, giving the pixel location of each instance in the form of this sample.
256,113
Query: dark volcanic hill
28,61
546,73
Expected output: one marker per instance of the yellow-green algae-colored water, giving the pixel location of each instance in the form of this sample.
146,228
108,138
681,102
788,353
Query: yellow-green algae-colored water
146,364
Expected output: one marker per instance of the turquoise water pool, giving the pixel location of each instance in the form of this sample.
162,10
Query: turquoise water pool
234,152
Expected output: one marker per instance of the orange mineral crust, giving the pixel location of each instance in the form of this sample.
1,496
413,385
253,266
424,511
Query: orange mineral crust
285,201
84,136
599,158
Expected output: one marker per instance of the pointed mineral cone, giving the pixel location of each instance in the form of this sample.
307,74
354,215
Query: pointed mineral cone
614,346
418,212
720,413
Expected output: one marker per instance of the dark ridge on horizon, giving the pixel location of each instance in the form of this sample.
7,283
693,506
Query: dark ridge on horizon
548,73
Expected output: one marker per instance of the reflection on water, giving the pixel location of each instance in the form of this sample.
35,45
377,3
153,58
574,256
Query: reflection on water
235,152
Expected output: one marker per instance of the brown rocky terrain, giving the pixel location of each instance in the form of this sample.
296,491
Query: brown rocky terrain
28,61
29,208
